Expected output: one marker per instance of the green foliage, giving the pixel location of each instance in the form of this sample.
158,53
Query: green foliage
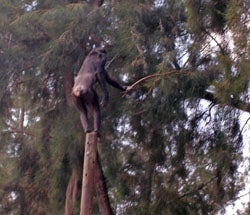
206,15
162,152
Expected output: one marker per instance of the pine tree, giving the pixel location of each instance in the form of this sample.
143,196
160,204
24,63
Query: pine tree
173,145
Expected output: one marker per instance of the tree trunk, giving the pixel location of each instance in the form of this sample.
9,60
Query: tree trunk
68,81
101,190
71,193
89,167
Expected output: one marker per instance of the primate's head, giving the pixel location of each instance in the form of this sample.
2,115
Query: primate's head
99,54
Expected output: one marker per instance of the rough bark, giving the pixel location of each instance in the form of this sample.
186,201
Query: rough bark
101,190
68,81
71,193
88,176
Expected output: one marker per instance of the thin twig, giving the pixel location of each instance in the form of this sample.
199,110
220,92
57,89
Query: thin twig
218,44
241,131
148,77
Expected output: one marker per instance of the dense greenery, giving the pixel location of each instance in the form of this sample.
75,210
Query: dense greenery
171,146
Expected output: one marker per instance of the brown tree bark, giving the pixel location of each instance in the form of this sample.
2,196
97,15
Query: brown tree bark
68,81
71,193
88,176
101,190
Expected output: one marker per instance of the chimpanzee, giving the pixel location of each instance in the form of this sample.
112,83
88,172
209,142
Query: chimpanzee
85,96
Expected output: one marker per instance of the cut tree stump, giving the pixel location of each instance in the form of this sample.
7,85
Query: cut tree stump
89,168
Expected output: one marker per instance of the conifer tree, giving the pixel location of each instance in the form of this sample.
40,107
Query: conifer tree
172,145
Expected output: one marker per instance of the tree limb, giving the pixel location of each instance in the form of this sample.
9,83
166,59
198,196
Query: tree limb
244,106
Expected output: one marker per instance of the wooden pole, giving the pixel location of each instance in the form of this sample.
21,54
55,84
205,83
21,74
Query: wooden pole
88,173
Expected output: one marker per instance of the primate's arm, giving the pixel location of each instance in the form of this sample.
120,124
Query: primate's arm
113,82
102,82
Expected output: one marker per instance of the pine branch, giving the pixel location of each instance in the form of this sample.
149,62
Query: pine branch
199,187
14,130
149,77
218,44
245,106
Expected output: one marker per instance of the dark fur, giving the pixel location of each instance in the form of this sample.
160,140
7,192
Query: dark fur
85,96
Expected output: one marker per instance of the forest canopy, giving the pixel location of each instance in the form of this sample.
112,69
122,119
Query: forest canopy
173,145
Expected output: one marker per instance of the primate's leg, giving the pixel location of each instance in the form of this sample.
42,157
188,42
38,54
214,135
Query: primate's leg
83,113
97,119
84,121
94,105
